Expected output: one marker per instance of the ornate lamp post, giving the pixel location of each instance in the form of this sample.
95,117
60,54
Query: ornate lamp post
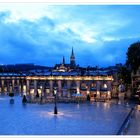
55,103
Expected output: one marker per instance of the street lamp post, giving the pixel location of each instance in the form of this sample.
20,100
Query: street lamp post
41,98
88,95
55,105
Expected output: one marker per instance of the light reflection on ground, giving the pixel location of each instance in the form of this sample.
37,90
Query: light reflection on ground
72,118
2,98
50,114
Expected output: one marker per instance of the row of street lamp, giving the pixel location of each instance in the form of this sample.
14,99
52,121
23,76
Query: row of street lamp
24,100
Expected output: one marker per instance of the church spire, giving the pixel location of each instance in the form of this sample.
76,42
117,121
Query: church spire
72,58
72,53
63,62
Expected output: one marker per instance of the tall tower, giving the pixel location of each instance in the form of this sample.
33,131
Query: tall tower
63,62
72,59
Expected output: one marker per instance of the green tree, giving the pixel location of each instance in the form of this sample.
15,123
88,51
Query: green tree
133,56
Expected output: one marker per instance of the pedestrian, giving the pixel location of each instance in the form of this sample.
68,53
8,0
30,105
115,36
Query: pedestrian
128,94
121,94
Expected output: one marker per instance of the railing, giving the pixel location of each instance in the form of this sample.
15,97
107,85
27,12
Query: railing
124,127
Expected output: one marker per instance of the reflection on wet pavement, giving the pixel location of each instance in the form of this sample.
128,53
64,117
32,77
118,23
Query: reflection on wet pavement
73,119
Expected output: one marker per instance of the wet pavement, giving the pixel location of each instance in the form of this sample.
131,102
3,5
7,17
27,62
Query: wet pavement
73,119
134,128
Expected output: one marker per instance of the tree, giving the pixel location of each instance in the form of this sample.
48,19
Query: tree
133,56
124,75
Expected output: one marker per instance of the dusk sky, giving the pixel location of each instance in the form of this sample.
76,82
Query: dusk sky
42,34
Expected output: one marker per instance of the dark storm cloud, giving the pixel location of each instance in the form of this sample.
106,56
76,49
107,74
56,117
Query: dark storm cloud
19,42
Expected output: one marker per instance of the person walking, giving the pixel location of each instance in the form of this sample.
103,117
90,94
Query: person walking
128,94
121,93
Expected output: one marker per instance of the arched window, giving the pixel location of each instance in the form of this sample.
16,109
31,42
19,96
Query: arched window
73,84
47,85
103,86
93,86
55,84
64,84
83,86
40,84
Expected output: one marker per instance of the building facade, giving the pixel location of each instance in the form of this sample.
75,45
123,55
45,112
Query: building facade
66,85
68,79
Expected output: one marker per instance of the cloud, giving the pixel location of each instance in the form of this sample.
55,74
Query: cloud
4,15
42,34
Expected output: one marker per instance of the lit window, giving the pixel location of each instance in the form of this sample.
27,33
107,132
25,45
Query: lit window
105,86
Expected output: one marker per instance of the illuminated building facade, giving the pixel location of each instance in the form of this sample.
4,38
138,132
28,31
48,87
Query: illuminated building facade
66,85
66,78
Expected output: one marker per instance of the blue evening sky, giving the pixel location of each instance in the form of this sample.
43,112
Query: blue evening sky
42,34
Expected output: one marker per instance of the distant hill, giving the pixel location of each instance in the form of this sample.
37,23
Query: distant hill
21,67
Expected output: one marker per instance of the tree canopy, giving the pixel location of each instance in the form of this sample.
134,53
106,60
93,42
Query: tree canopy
124,74
133,56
